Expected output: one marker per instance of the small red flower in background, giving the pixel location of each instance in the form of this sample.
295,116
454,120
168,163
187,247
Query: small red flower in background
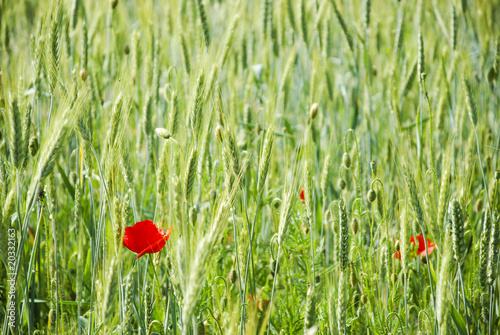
261,304
420,248
145,238
303,195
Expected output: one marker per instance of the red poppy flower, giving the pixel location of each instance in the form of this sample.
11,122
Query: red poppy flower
303,195
145,238
420,247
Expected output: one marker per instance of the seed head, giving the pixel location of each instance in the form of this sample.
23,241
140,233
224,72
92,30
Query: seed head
33,146
343,236
219,133
457,230
470,102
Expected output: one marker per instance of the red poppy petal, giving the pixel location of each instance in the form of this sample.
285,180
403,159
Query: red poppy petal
158,245
145,237
412,240
397,255
302,194
421,246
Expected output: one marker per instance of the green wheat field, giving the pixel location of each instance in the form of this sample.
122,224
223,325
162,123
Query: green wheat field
321,166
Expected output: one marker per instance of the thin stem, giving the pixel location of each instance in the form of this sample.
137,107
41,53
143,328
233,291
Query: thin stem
272,291
250,252
236,254
429,273
463,297
51,107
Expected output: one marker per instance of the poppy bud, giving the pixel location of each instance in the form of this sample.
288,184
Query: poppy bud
313,111
341,183
497,174
397,245
33,145
219,132
126,49
346,160
371,195
200,328
317,279
114,3
232,276
355,226
83,74
162,132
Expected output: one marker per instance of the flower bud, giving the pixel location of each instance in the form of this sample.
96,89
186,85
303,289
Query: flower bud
341,183
371,195
355,226
83,74
232,276
313,111
346,160
162,132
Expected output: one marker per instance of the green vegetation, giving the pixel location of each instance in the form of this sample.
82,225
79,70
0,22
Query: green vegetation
328,166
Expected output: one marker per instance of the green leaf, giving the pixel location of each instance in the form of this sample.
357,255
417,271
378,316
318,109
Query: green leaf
433,274
458,320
